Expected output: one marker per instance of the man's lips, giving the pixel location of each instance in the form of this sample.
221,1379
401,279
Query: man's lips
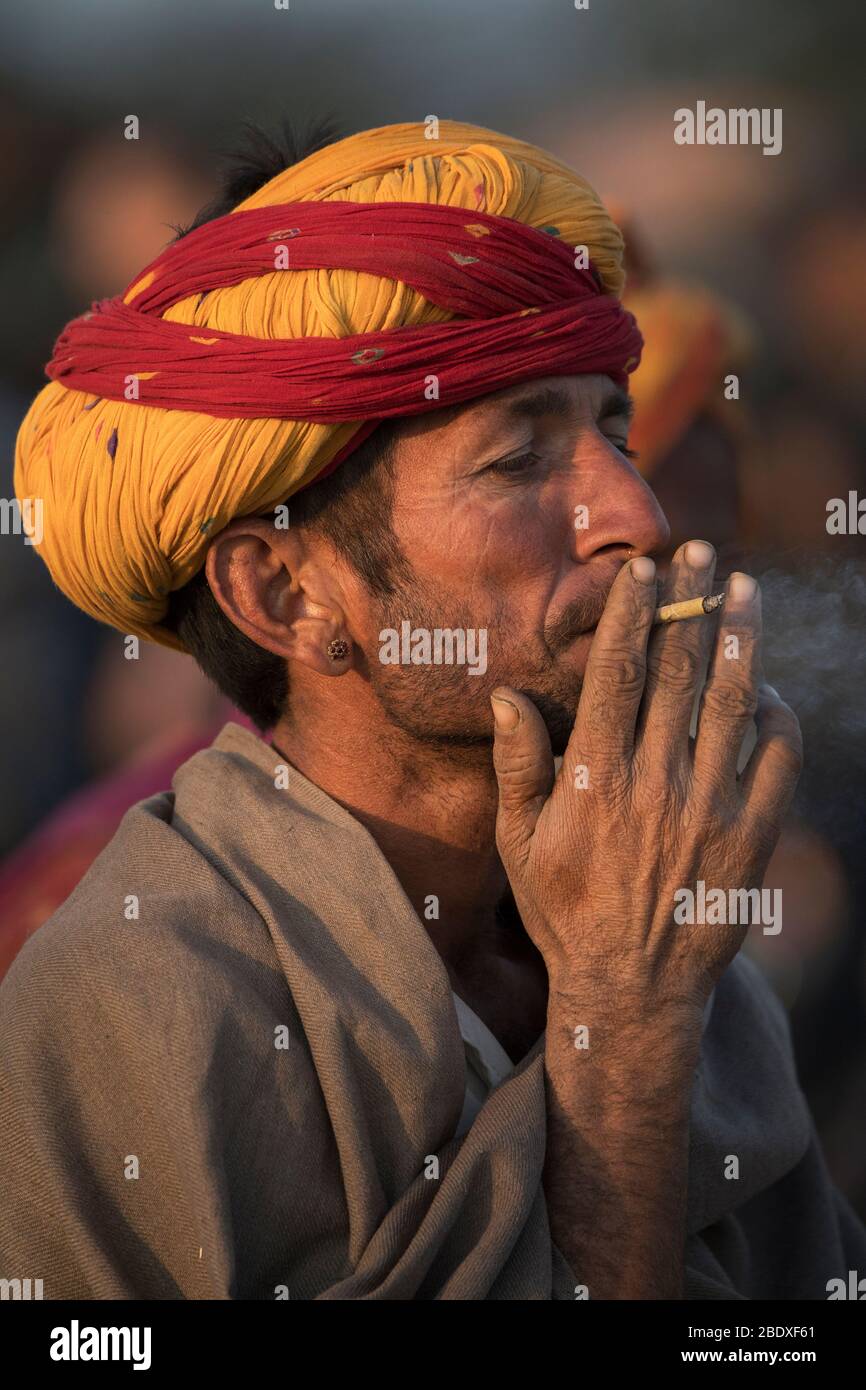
580,617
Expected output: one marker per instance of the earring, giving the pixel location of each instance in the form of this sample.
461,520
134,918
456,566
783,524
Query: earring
338,649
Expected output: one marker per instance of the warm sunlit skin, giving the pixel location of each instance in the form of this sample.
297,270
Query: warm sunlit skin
489,550
408,750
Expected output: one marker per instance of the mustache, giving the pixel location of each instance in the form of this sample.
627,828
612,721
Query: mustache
582,613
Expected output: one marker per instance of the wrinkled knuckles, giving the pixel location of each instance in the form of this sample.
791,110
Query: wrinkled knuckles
728,700
675,669
614,794
619,674
516,767
517,780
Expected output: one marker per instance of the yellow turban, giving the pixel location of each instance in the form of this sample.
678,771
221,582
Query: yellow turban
116,526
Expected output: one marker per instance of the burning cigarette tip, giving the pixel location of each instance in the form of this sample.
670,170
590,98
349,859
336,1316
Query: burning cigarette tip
689,608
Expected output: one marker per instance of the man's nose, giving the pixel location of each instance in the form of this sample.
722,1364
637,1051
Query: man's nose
616,508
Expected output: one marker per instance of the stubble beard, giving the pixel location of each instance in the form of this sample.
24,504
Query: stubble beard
446,708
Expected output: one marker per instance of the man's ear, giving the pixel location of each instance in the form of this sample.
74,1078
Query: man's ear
280,593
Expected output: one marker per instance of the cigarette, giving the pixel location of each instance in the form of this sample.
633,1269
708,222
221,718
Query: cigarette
689,608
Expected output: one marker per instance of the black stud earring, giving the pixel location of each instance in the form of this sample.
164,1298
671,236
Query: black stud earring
338,649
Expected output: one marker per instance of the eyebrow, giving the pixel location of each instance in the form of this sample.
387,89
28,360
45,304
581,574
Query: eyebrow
552,400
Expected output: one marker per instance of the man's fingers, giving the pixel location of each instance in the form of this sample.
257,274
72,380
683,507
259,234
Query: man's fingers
676,659
523,760
613,681
731,693
770,776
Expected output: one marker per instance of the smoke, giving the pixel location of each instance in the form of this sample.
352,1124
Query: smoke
815,656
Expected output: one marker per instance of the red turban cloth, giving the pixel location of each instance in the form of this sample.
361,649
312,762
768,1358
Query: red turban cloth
181,404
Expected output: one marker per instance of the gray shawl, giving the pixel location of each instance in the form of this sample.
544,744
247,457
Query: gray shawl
230,1067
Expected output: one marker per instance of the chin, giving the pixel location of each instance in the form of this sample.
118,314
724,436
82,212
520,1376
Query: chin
558,701
557,709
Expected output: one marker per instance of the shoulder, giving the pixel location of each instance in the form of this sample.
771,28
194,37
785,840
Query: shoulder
153,945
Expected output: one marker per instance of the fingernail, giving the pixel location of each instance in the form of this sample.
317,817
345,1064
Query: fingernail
742,588
699,555
643,569
505,714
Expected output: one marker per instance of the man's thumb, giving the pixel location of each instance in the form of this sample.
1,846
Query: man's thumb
524,765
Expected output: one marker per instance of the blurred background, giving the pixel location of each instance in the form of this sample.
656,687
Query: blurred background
739,263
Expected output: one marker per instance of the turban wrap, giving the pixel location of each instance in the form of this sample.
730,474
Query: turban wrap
385,275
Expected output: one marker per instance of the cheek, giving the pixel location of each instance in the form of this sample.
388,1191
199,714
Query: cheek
503,547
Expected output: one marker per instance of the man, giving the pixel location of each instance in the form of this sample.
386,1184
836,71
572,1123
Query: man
685,441
360,1010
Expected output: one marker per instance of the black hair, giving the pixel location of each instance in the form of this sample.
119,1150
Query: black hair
351,506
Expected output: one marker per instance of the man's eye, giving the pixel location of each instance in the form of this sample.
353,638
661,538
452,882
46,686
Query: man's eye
624,449
509,467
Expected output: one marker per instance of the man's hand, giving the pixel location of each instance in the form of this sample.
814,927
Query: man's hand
595,859
636,813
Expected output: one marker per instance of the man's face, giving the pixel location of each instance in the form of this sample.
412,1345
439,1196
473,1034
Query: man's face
515,513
